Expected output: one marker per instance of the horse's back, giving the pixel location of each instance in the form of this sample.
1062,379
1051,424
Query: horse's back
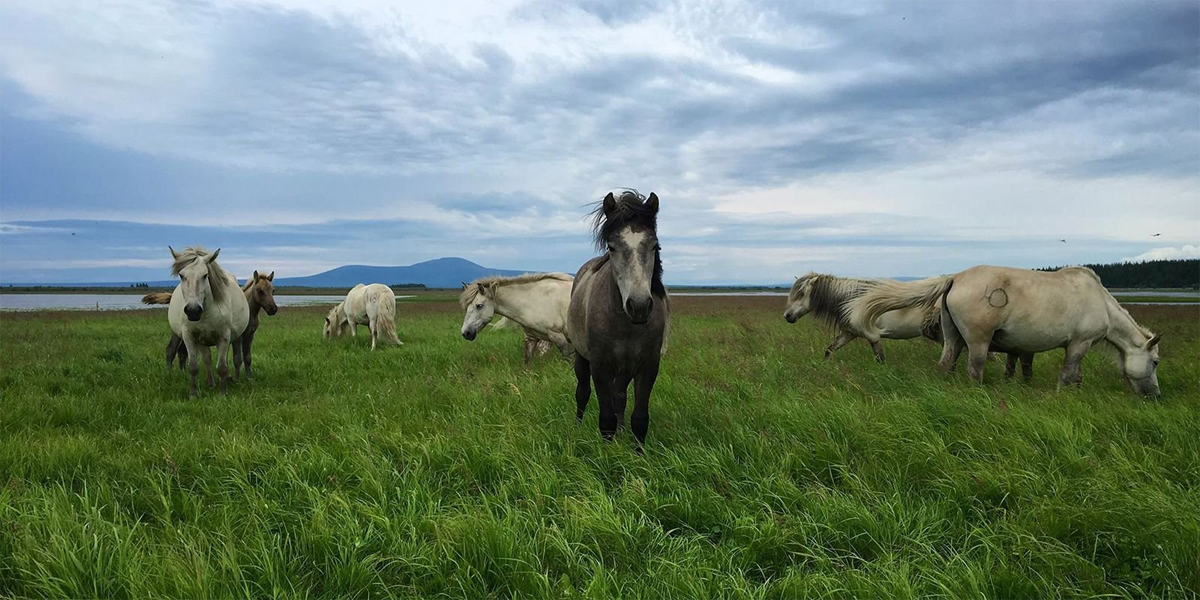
1033,310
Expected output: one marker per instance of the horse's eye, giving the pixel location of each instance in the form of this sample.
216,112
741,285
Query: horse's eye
479,306
611,249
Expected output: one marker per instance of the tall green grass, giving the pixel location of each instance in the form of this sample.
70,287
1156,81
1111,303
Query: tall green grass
449,469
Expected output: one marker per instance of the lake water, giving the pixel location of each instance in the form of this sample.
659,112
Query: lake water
124,301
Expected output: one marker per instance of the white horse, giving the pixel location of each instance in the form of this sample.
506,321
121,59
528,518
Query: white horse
538,302
207,308
371,305
1023,311
826,297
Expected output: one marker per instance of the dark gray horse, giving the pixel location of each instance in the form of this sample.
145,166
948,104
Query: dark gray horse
617,320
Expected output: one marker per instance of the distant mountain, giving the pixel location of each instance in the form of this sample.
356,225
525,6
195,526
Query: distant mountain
438,273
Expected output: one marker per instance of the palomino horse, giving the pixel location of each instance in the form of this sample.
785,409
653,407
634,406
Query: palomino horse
207,309
619,311
260,295
1021,311
538,302
826,296
371,305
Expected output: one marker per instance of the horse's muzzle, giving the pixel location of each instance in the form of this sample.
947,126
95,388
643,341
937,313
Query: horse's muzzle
790,318
639,312
271,310
469,335
193,312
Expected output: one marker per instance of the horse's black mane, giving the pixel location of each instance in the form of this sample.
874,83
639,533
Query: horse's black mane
631,211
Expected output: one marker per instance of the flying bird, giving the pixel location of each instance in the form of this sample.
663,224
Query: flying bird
1156,235
1063,241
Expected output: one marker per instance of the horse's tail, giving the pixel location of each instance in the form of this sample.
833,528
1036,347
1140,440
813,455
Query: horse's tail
386,320
887,296
157,298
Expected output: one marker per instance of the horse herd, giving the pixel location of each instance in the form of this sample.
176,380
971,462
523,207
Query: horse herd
612,318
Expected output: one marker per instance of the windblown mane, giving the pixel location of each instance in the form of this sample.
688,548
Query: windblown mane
476,287
829,294
631,211
216,275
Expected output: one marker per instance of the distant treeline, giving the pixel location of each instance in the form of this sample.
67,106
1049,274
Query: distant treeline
1148,274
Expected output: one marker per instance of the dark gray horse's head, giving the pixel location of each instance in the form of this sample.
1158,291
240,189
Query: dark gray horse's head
626,227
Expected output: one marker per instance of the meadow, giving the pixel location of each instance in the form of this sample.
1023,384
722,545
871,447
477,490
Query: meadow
445,468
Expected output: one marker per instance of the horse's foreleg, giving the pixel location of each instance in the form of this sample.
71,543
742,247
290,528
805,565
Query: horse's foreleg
1072,369
583,390
643,384
1027,367
844,337
193,367
247,342
223,365
877,348
207,353
620,397
236,347
603,378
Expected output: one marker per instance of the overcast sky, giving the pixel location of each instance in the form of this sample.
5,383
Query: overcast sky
879,139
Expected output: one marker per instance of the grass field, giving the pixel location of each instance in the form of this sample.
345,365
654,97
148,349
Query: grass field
448,469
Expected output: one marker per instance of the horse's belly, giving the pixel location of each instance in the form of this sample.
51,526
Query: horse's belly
900,325
1027,340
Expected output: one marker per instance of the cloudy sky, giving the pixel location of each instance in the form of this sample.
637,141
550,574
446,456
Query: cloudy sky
883,139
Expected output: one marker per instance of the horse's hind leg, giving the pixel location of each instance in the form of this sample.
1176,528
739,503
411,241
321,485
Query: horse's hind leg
583,387
527,350
952,343
1027,367
236,346
1010,366
977,353
1072,372
172,350
643,384
843,338
373,325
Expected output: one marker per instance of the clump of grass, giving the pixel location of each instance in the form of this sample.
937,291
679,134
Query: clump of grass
449,468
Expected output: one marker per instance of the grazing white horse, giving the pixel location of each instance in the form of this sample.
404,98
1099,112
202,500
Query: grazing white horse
1023,311
371,305
538,302
207,309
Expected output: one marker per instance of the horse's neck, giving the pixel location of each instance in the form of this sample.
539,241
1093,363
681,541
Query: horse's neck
252,302
1123,331
512,301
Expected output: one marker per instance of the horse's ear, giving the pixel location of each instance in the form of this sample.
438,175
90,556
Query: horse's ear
652,203
465,285
610,204
173,253
213,256
1154,341
255,278
271,277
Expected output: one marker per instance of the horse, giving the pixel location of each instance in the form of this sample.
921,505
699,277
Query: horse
538,302
1022,311
260,295
619,311
371,305
826,297
206,309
